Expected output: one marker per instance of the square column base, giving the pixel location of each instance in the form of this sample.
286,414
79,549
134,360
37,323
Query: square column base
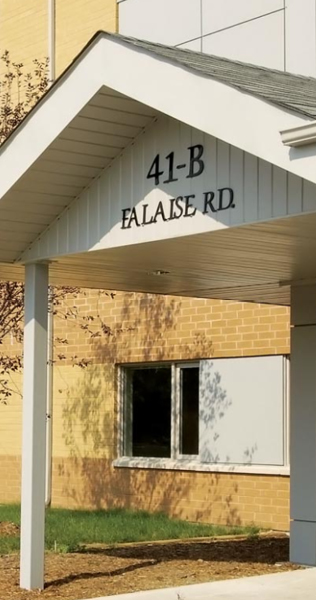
303,543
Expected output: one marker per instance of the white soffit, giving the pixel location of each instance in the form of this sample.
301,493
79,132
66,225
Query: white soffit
111,93
255,263
249,263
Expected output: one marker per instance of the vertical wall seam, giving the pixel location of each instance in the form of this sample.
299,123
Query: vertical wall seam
314,38
273,12
201,24
51,16
284,34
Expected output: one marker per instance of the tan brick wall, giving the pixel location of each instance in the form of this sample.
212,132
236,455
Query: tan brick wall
230,499
11,420
84,417
10,478
148,327
224,498
145,328
158,328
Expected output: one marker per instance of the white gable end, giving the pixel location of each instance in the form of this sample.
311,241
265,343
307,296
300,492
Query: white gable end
173,181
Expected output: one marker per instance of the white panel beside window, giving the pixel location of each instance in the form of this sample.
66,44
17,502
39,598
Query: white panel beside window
242,411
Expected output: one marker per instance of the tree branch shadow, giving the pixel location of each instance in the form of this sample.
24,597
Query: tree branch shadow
91,575
91,426
244,550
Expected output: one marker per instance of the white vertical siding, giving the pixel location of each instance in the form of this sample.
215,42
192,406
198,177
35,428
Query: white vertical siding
265,191
223,175
279,192
295,194
82,217
309,196
94,220
237,158
250,188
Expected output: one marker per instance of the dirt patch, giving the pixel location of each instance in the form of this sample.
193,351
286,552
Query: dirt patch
103,571
9,529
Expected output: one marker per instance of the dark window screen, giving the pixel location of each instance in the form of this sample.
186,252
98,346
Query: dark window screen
190,410
151,407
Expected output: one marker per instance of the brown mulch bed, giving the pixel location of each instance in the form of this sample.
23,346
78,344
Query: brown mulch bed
8,528
102,571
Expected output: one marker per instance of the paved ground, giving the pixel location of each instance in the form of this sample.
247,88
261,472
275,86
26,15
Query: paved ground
294,585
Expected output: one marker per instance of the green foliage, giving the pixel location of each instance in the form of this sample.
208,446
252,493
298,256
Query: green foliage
72,530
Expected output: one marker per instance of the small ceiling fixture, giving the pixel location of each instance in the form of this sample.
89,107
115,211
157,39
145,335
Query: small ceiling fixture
160,272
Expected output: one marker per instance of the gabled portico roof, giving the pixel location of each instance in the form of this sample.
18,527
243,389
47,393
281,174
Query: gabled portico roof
112,93
287,90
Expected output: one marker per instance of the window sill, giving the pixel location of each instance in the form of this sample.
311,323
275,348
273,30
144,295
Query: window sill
193,465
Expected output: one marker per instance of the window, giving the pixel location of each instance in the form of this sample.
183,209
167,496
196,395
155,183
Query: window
152,394
149,409
230,411
189,410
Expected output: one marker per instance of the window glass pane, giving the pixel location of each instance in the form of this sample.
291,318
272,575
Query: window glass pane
190,410
151,412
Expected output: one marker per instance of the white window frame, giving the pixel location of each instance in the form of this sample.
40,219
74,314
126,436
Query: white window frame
178,461
178,412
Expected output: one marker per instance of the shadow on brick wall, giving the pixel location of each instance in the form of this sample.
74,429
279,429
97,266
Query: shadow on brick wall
87,478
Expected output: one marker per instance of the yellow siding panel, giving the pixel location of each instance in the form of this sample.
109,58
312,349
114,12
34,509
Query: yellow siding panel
77,22
24,30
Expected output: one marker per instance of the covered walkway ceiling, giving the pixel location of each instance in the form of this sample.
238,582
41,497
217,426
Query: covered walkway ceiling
256,263
115,93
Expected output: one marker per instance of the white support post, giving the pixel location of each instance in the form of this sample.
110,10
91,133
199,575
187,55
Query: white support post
303,425
34,427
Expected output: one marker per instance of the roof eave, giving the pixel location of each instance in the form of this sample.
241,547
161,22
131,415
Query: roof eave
215,108
302,135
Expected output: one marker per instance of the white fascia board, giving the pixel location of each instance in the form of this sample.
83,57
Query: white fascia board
299,136
215,108
50,116
240,119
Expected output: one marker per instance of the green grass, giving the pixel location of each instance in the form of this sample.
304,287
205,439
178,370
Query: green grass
69,530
